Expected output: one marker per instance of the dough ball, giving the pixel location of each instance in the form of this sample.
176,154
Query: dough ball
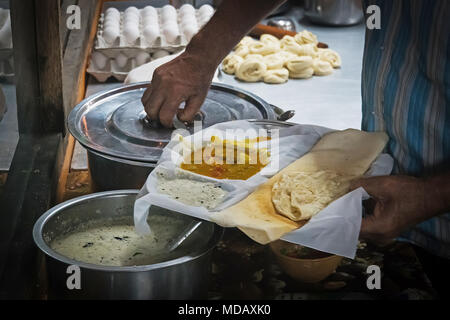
289,44
274,61
242,51
322,68
251,70
231,63
330,56
306,37
286,55
268,38
308,50
255,56
262,48
245,41
301,195
300,67
276,76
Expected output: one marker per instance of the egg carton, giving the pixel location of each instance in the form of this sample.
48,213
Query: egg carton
150,28
103,67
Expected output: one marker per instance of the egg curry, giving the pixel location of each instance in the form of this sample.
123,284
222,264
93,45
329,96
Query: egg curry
229,159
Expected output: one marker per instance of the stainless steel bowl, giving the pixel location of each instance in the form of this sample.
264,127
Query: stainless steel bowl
112,173
184,277
334,12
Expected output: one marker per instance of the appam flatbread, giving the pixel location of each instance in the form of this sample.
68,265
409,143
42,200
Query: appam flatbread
348,152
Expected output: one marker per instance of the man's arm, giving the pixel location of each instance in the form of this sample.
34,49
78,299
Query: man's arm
187,78
401,202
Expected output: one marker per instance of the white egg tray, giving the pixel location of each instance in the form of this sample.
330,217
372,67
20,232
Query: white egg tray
149,28
102,67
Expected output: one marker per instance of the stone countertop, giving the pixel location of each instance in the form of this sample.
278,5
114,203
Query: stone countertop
332,101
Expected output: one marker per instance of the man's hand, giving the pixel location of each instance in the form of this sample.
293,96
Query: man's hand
184,79
187,77
399,202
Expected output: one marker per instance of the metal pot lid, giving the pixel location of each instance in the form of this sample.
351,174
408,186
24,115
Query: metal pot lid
113,122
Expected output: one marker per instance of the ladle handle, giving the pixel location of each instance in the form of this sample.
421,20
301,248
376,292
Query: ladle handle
186,233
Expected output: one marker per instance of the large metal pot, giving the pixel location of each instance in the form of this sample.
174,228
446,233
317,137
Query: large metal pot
123,148
185,277
334,12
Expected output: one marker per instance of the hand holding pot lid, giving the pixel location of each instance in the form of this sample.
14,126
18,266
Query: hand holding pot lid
184,79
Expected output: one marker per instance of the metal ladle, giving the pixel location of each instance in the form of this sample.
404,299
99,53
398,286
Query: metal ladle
175,243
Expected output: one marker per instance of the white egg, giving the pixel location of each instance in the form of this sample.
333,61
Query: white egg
188,19
160,53
148,18
110,34
149,11
112,12
131,18
186,9
205,17
132,10
190,31
150,21
131,33
206,10
168,8
142,57
190,26
169,24
171,32
112,19
151,34
168,13
130,24
111,25
121,60
202,22
99,60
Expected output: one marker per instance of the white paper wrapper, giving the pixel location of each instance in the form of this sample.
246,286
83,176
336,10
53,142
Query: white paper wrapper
334,230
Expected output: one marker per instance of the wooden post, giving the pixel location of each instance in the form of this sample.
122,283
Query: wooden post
38,65
25,64
49,54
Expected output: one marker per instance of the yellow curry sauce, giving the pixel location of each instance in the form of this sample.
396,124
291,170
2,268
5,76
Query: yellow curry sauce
246,160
